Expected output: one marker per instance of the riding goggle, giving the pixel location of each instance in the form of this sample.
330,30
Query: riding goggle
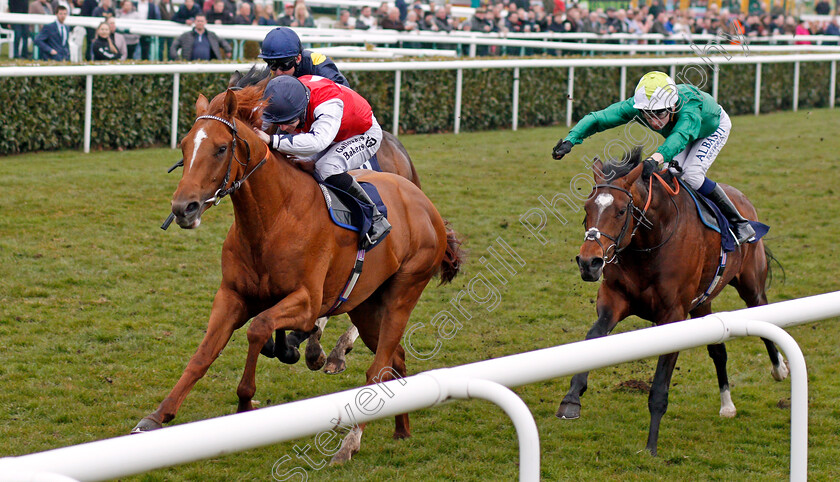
281,64
660,114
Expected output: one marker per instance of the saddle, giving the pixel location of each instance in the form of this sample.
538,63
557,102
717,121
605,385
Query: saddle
712,218
347,212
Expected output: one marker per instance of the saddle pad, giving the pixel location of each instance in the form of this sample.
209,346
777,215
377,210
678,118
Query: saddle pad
712,218
372,164
349,213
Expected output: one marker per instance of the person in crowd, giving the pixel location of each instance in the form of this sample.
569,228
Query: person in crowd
330,129
52,40
186,14
392,20
244,16
366,20
200,43
219,14
105,9
103,45
479,23
803,28
288,15
442,21
166,9
147,10
302,17
284,54
20,43
822,7
117,38
267,16
132,41
695,128
344,20
40,7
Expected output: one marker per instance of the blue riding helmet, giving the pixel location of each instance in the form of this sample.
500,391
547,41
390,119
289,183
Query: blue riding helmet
287,99
282,42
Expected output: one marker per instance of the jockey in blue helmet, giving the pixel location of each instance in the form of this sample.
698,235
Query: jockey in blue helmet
328,128
284,54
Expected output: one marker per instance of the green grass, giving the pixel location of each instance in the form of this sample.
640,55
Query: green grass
100,310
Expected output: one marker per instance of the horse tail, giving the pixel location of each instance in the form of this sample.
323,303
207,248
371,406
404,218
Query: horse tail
454,256
770,259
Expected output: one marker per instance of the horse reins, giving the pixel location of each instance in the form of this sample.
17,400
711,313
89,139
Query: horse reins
223,190
594,234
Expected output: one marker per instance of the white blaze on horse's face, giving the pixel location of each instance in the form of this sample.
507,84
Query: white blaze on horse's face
603,201
199,136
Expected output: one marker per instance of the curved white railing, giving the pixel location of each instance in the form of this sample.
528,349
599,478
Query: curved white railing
113,458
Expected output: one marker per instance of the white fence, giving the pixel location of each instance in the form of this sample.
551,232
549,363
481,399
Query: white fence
466,42
113,458
89,71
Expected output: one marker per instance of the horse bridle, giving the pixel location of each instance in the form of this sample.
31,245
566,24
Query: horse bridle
594,234
223,191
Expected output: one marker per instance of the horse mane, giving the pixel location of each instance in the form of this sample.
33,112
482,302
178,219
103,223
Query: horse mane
249,102
616,168
254,76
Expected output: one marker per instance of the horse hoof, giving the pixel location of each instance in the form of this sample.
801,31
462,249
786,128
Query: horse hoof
146,424
349,447
568,411
780,372
268,349
290,357
728,412
334,367
315,356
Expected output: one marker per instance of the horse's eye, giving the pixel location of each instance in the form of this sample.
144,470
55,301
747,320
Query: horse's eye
622,211
222,150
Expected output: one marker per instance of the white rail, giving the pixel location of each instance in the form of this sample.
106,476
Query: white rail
458,65
112,458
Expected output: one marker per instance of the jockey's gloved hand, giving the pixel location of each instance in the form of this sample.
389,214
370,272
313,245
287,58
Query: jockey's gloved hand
649,166
561,149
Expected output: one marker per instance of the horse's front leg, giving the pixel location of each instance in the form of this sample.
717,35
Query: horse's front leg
229,313
611,310
294,312
658,397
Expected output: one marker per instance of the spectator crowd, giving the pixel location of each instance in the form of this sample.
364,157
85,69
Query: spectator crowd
492,16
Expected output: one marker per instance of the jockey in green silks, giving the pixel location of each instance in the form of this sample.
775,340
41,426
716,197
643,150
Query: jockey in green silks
695,128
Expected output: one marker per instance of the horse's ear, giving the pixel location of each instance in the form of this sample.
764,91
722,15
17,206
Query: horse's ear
631,176
201,105
263,83
598,170
230,103
235,78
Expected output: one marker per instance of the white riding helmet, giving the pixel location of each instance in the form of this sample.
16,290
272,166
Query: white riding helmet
656,91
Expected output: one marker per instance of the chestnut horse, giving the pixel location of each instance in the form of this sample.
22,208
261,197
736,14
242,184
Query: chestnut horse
393,158
657,260
284,262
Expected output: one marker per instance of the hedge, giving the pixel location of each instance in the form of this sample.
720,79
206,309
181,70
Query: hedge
47,113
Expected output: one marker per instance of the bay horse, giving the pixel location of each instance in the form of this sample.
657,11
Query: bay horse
656,263
284,262
394,158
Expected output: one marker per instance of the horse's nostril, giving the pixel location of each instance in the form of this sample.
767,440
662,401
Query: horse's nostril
597,263
191,208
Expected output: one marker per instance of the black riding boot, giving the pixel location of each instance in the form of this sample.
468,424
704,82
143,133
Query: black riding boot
380,226
740,226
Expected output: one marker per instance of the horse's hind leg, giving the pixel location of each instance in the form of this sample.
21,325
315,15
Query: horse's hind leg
381,321
336,362
750,284
718,354
608,317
